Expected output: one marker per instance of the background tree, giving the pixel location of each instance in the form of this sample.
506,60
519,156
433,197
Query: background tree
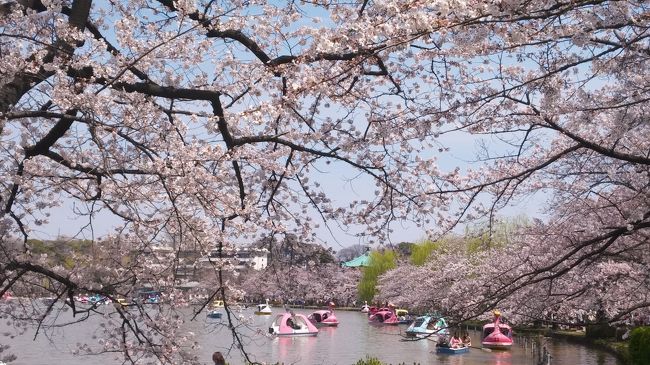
291,251
498,232
350,252
380,262
420,252
312,284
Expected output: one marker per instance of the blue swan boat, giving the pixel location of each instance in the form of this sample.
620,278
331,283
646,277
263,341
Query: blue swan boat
428,326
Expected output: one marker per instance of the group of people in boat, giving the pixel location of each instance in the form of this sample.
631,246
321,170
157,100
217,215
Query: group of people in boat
455,341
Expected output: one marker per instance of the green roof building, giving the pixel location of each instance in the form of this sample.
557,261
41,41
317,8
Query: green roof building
363,260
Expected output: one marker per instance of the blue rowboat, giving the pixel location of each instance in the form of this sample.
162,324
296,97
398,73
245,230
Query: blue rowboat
451,351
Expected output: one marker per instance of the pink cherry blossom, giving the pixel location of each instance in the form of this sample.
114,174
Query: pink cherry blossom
199,125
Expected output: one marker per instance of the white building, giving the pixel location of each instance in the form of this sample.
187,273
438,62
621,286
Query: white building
242,257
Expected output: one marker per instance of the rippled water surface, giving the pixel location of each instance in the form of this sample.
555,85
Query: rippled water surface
354,339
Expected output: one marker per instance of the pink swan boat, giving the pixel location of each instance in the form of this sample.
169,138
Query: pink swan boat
372,310
323,318
291,324
384,316
497,335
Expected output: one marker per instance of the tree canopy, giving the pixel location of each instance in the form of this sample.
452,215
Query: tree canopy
212,122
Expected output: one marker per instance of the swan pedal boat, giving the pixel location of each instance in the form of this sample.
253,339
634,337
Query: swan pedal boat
428,326
386,317
323,318
217,303
403,316
291,324
264,309
214,313
497,335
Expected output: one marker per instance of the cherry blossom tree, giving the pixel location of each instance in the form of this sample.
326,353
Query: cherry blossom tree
214,122
531,280
311,283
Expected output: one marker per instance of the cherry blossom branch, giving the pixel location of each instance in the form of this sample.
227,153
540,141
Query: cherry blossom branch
609,152
520,175
252,46
13,91
571,262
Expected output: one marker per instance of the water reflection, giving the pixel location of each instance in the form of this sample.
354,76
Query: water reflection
327,333
450,360
502,357
293,349
352,340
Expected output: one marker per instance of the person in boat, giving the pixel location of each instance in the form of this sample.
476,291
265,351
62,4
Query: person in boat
433,324
291,323
455,342
466,340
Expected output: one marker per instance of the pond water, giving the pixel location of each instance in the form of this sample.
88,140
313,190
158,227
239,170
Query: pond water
353,340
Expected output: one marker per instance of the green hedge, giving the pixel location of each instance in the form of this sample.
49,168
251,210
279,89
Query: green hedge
640,346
